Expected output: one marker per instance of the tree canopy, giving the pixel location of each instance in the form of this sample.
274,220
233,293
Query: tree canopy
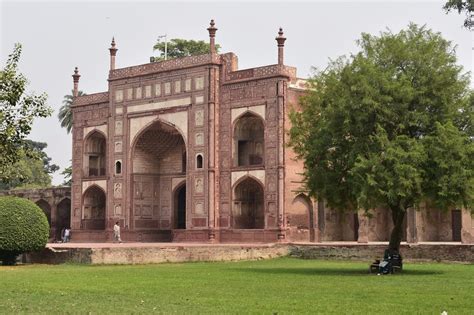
389,127
32,170
178,48
17,112
462,6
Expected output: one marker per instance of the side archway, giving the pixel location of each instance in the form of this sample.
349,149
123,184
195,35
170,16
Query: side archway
248,206
63,216
94,203
300,219
248,140
94,154
44,205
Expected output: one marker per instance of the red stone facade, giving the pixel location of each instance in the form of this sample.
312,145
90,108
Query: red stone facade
193,149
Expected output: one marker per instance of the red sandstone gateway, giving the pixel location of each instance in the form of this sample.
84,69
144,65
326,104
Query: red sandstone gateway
193,149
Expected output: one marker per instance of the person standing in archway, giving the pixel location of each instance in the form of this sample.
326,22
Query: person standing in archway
117,233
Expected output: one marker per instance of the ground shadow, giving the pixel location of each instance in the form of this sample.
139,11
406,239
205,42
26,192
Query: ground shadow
322,271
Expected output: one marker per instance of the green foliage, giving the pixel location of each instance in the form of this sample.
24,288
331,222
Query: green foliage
32,170
23,228
466,6
67,173
389,127
65,112
276,286
178,48
17,112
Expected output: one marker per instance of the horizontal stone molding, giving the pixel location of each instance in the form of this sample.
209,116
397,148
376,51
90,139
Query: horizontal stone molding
159,105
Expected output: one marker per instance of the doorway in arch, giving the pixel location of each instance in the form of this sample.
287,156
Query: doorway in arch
180,208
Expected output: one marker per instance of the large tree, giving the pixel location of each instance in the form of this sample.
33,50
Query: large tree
65,112
17,112
177,48
462,6
32,170
389,127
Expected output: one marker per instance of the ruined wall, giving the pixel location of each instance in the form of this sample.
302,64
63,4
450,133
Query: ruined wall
56,201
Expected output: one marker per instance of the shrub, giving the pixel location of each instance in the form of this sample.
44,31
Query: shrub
23,228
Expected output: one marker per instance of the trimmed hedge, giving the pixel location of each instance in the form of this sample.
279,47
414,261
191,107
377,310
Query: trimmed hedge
23,228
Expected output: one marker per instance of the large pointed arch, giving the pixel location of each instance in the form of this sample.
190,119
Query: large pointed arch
158,156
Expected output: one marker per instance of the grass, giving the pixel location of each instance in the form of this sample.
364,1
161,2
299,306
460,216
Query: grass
280,286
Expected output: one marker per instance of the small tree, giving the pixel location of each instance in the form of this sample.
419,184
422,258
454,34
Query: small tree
23,228
177,48
389,127
17,112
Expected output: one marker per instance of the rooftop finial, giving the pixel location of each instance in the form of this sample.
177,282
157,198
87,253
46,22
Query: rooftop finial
212,34
281,43
75,79
113,53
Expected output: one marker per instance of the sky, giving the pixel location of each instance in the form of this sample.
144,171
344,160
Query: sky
60,35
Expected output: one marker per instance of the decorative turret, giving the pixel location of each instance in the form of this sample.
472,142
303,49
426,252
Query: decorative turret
75,78
281,44
212,34
113,53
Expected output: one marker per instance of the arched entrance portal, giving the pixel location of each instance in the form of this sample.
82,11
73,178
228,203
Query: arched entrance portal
180,208
94,209
158,159
247,210
63,216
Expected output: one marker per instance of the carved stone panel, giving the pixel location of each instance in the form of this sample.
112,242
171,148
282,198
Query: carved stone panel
187,85
167,88
138,93
118,146
158,89
129,95
199,83
199,138
199,117
199,185
118,209
199,208
118,127
118,190
119,96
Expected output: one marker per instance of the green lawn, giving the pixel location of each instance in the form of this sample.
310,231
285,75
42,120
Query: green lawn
282,285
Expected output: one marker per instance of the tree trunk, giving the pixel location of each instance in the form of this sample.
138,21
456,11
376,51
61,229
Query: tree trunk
398,215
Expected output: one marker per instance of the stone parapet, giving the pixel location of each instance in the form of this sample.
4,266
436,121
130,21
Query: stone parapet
166,65
96,98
